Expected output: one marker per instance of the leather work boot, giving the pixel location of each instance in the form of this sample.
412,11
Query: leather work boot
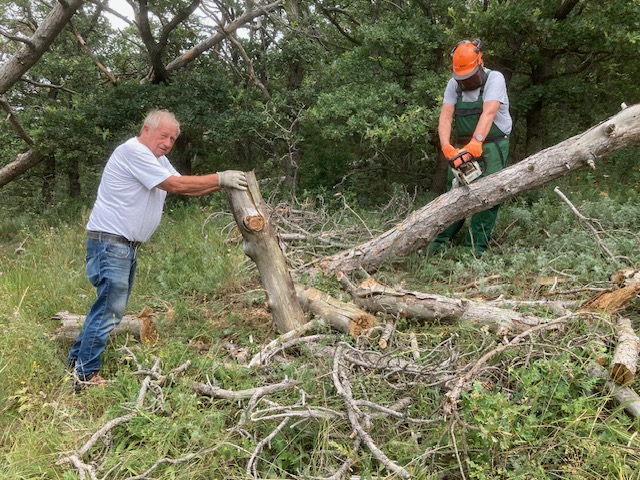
94,381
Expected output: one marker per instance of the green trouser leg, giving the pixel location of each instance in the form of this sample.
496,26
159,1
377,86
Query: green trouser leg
482,224
444,236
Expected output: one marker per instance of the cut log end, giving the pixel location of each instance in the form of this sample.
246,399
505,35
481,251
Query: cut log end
621,374
361,323
254,223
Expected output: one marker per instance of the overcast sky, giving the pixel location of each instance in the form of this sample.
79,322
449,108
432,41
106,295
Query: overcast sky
123,8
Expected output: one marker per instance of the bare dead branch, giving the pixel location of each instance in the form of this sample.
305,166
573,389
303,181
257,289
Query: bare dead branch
210,42
217,392
92,55
453,395
375,297
587,224
252,462
357,417
266,352
22,133
183,459
252,74
75,458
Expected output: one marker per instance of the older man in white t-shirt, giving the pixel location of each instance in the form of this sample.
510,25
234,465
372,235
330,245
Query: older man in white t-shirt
127,211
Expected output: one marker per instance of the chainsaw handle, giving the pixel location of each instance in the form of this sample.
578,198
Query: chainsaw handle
459,159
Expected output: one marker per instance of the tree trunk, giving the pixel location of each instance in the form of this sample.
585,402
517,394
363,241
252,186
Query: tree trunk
344,317
261,245
375,297
422,226
73,177
625,357
26,56
49,180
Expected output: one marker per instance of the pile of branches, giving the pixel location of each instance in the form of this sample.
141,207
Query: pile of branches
367,391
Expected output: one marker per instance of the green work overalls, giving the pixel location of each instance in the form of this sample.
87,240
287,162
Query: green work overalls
495,152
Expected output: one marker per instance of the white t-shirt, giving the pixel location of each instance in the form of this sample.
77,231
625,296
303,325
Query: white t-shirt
128,201
495,88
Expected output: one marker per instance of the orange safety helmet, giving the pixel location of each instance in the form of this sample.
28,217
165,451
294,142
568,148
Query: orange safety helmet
467,59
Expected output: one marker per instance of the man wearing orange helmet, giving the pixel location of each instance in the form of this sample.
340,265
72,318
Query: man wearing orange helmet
477,98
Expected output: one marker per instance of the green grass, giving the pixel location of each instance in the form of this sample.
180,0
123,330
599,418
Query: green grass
535,413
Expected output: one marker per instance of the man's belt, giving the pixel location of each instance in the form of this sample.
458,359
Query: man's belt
494,139
110,237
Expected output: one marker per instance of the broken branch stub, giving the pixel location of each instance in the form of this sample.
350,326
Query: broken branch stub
260,243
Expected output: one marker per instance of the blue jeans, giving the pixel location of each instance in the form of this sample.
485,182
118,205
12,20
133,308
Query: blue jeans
111,269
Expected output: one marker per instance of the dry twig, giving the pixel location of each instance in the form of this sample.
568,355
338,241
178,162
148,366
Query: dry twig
453,395
75,458
358,419
587,224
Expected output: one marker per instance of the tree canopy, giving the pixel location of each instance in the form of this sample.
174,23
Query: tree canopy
333,96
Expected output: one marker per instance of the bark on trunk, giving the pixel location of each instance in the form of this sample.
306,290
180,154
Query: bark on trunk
262,246
344,317
422,226
141,326
611,301
625,357
375,297
20,165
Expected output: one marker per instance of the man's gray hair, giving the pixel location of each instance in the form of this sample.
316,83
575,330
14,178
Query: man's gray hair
154,117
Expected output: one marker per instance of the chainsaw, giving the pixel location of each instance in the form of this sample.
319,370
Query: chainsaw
464,171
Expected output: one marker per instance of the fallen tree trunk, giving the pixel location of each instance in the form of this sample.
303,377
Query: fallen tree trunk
140,326
375,297
422,226
625,357
344,317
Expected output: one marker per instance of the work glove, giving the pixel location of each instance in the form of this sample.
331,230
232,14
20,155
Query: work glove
474,147
233,179
450,151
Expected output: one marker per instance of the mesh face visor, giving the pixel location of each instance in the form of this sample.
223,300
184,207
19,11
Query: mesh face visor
476,80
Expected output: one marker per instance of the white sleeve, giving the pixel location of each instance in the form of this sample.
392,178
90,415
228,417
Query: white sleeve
451,92
143,165
495,88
